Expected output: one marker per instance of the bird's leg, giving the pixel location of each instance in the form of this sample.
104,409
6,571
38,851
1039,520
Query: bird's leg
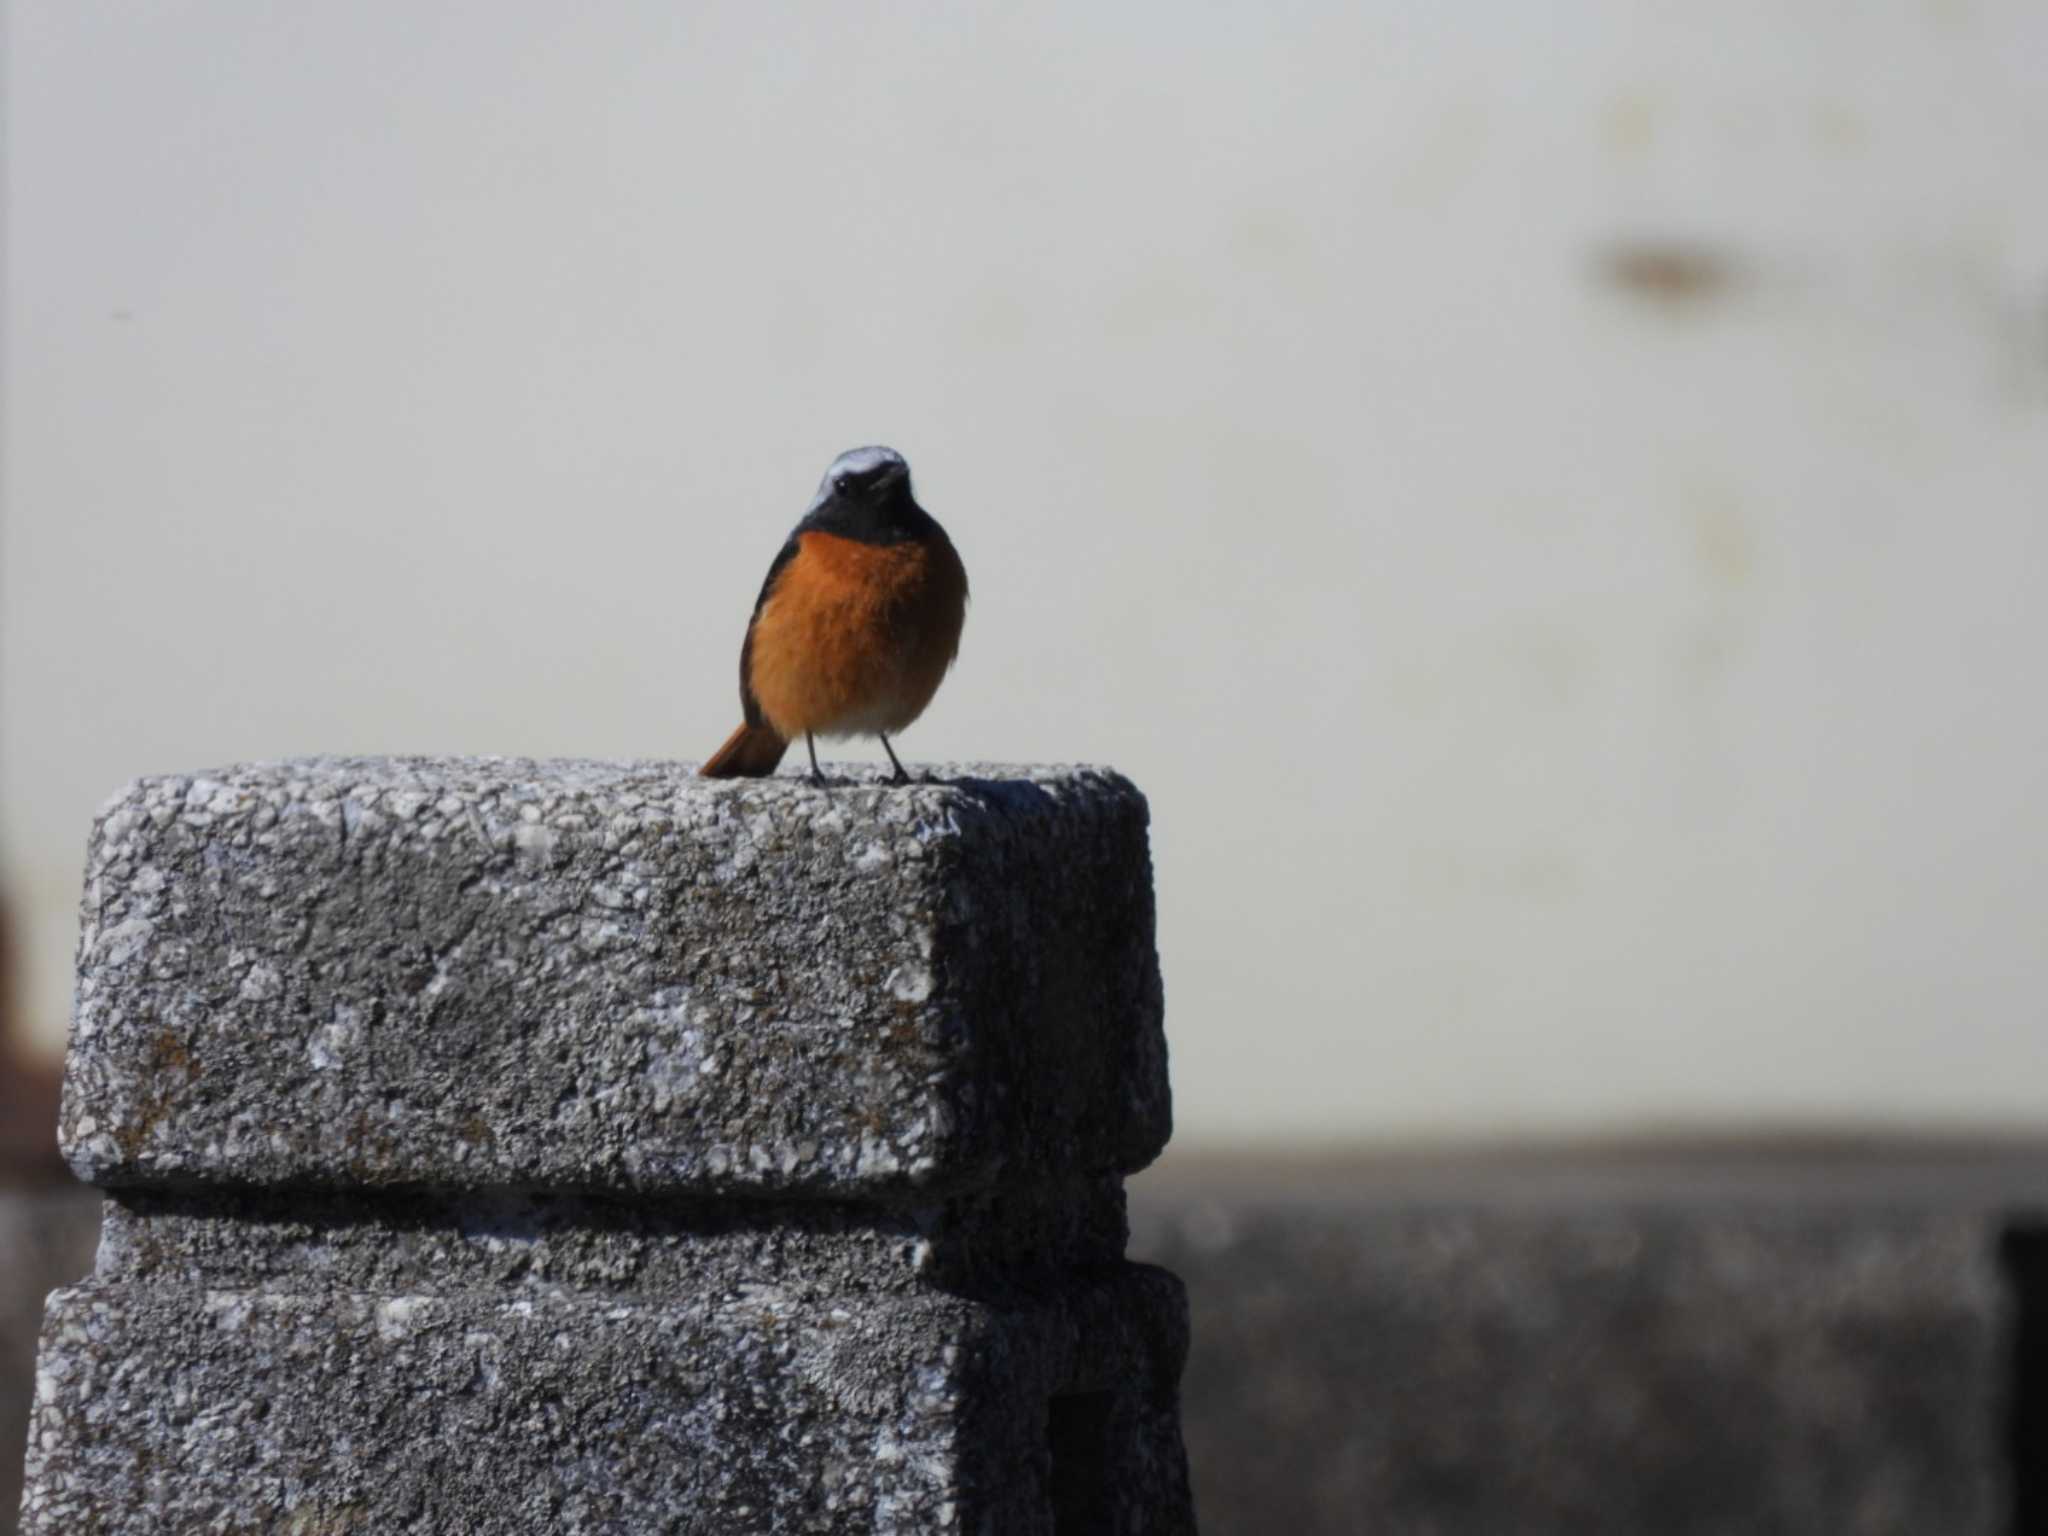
812,746
901,776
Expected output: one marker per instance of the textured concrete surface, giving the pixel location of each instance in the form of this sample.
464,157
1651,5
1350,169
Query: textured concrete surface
492,1239
748,1409
1536,1346
602,976
47,1234
502,1146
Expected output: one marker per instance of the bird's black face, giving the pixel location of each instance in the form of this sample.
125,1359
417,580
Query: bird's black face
866,495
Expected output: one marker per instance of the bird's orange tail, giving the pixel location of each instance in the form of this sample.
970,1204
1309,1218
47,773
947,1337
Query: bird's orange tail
751,752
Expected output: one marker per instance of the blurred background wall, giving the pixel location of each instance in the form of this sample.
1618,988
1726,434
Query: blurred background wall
1547,500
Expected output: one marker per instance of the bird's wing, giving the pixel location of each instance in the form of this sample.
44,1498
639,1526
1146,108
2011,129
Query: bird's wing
748,702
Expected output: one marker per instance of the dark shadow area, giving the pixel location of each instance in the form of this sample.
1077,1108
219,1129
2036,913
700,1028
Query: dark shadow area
1077,1428
2023,1252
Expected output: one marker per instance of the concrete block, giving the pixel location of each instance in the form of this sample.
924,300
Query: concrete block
499,1147
752,1408
615,977
1667,1365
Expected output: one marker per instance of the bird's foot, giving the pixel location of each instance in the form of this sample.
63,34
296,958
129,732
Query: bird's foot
894,762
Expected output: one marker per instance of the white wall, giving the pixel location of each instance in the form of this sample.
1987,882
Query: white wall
1568,703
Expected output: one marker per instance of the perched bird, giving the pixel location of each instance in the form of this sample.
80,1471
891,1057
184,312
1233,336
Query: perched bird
856,624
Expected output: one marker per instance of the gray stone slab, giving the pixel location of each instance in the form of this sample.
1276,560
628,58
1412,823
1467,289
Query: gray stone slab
174,1408
1693,1367
616,977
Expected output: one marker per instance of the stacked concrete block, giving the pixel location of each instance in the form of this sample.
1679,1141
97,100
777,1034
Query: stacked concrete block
509,1146
1462,1356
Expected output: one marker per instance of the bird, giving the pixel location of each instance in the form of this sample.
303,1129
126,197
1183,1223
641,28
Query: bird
856,625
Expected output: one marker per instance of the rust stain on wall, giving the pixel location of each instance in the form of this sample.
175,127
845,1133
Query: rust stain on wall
1667,272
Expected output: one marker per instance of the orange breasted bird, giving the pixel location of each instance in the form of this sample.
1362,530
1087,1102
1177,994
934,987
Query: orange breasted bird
856,624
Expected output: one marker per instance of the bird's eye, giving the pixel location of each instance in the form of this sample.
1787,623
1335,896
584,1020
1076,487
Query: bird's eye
842,484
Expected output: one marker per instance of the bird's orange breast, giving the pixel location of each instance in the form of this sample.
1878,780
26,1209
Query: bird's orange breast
856,637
